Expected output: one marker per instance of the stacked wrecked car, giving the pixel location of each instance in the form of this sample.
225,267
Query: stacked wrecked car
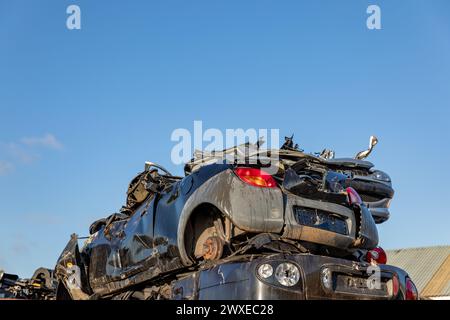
243,223
41,286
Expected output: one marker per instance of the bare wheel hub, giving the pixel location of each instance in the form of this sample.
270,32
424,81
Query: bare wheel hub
212,248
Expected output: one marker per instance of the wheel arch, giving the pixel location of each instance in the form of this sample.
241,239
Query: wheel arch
204,208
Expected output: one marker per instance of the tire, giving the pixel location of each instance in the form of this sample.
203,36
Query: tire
62,294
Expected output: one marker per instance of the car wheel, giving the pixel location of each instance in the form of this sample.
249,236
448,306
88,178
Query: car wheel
206,237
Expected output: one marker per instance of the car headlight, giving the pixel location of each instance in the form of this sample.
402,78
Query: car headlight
327,278
265,271
381,176
287,274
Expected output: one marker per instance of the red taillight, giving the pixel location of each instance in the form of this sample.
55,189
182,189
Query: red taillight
256,177
395,285
411,290
353,196
377,255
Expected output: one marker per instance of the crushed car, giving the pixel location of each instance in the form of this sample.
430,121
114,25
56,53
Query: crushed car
41,286
308,225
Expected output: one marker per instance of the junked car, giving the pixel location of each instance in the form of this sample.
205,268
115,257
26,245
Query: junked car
41,286
373,185
228,213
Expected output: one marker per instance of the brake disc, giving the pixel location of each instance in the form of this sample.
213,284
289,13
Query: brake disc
213,248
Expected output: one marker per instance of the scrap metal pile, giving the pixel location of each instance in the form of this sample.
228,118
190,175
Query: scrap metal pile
241,230
42,286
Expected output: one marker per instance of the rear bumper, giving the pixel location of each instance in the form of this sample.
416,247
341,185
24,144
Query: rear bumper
238,280
295,231
377,189
361,231
379,210
377,195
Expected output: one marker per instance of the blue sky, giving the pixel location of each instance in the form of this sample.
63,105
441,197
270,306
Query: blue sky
81,110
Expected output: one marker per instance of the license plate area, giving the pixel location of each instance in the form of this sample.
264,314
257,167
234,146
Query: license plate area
321,219
360,282
350,284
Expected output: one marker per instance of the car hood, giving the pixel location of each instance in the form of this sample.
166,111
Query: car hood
349,162
344,162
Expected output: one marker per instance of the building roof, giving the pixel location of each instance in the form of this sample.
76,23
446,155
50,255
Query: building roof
429,268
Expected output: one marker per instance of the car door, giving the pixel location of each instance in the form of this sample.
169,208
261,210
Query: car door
122,247
137,242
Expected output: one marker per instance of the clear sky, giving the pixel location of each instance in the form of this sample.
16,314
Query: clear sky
81,110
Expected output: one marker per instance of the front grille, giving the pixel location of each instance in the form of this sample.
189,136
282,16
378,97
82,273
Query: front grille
321,220
362,173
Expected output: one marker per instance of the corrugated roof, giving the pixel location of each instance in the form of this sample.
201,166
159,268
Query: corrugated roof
423,266
447,288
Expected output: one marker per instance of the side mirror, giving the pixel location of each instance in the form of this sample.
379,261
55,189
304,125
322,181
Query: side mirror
2,273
